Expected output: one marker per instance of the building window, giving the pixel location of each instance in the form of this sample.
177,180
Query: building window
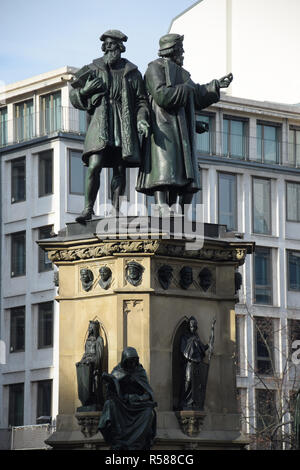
262,276
293,258
293,333
18,179
261,191
45,173
82,121
268,143
44,398
264,342
24,120
293,202
45,264
294,147
227,200
17,329
16,405
234,137
205,141
45,325
18,254
265,412
77,172
51,113
3,126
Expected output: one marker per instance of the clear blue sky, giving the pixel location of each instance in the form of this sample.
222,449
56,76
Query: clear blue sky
37,36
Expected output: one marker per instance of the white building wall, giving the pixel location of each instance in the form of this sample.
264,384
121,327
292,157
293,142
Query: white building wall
258,41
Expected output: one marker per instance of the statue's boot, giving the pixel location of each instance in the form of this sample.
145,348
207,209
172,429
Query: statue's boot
85,215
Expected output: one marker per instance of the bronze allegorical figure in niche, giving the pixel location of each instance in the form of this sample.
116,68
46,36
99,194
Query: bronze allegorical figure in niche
128,420
89,370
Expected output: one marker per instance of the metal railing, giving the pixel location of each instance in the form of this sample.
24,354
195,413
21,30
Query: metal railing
250,149
47,122
69,119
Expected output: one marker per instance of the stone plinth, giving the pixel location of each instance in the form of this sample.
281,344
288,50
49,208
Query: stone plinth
147,317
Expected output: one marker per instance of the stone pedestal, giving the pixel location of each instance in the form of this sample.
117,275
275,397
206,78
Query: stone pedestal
147,317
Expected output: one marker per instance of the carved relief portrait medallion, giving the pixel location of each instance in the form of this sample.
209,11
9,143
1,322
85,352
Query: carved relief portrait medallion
87,278
134,273
165,274
205,279
105,277
186,277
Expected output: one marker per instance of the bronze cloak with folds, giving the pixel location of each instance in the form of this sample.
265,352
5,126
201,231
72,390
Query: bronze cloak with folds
128,420
169,160
134,107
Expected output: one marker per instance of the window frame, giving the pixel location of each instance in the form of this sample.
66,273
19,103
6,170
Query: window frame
12,162
245,136
269,358
14,313
235,209
41,156
40,335
70,150
11,404
3,126
39,385
41,252
211,133
51,126
287,202
270,205
26,135
269,275
288,253
278,129
293,128
13,237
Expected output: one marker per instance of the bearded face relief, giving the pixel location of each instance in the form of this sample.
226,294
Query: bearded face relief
87,278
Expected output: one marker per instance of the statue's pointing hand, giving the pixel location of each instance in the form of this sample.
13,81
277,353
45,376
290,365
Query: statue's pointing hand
92,86
225,81
143,127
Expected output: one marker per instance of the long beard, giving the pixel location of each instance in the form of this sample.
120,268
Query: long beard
111,57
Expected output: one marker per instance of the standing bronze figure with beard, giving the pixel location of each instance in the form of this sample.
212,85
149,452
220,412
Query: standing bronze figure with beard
111,90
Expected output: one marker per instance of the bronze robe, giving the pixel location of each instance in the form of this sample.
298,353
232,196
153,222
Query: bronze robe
169,160
132,106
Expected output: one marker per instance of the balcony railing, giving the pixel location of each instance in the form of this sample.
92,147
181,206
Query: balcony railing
231,146
33,125
251,149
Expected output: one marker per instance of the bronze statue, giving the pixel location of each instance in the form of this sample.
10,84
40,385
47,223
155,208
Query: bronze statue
111,90
195,370
128,420
170,169
87,278
105,277
89,370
